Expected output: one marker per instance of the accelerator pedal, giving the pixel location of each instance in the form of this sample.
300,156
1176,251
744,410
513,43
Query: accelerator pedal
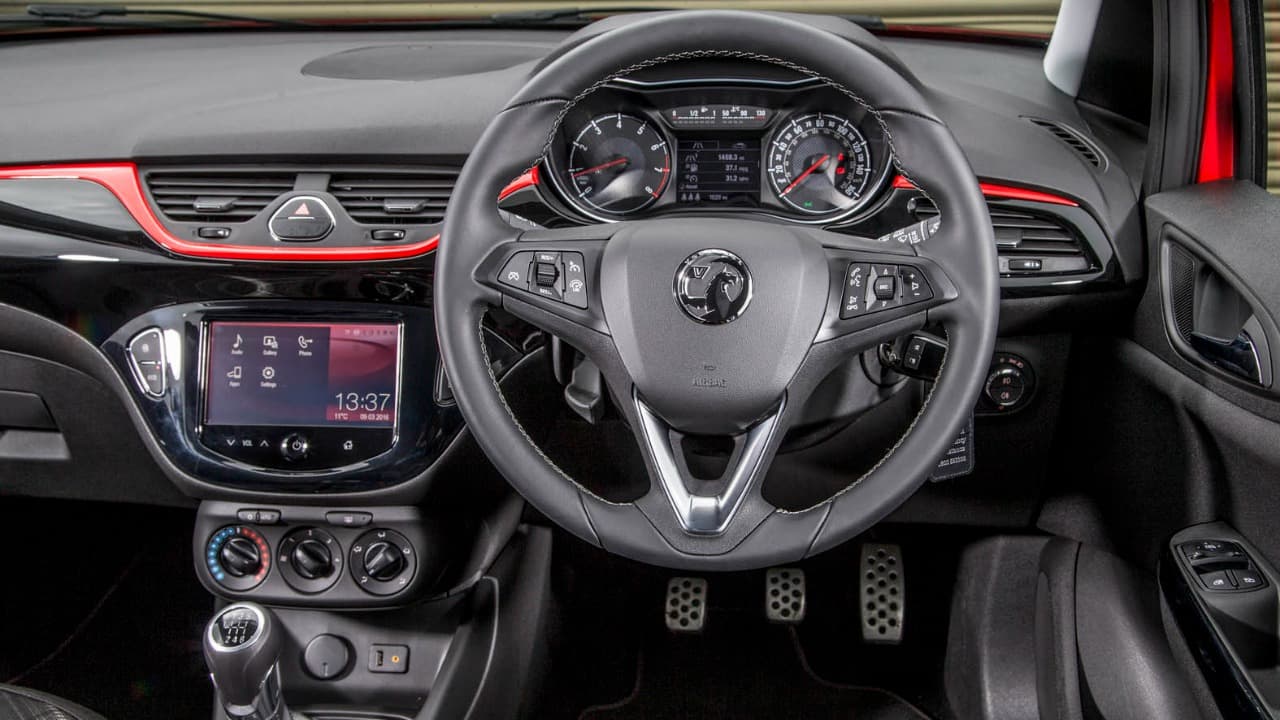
784,595
686,607
882,593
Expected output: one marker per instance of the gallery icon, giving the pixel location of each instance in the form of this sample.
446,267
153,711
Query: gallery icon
269,341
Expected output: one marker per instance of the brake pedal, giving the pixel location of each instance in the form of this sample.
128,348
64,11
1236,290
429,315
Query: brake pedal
882,593
686,606
784,595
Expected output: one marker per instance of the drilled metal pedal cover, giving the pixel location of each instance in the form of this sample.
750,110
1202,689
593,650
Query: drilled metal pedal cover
882,593
784,590
686,606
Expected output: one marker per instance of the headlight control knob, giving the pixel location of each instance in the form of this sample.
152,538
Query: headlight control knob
1009,385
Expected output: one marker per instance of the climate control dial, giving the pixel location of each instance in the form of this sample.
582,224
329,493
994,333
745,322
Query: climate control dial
310,560
383,562
238,557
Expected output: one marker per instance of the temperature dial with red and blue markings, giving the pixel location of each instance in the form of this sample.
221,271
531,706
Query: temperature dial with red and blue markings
238,557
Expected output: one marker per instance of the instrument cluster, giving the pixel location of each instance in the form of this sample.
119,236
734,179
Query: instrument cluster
800,151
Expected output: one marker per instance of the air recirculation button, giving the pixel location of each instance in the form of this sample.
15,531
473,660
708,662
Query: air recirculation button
310,560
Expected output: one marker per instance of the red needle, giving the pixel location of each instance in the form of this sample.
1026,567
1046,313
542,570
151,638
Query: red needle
604,166
806,173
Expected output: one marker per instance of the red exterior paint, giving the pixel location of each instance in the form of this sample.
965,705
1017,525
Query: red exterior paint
1006,192
124,181
1217,131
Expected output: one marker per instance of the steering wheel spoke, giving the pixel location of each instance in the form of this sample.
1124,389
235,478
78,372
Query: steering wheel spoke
706,505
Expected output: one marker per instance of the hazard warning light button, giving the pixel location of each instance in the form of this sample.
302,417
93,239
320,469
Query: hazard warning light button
302,219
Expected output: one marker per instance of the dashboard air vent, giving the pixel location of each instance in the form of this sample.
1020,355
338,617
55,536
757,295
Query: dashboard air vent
1073,139
391,197
222,196
1022,234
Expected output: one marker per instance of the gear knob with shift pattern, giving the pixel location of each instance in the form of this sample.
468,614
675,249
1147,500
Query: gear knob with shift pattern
242,649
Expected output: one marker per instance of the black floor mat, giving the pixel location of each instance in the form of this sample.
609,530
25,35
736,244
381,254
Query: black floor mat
738,670
116,627
743,667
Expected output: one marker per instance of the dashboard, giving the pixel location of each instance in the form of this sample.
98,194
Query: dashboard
193,261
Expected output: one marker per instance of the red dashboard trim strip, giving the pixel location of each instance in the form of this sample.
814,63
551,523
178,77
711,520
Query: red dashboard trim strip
1007,192
527,180
1217,132
124,181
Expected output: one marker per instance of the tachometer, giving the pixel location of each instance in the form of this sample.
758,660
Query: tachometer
618,164
819,163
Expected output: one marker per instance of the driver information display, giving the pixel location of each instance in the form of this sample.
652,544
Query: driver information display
718,172
302,374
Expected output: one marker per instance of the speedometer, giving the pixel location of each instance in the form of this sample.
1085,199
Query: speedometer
618,164
819,163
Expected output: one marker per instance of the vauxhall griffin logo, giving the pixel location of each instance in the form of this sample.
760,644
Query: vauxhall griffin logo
713,286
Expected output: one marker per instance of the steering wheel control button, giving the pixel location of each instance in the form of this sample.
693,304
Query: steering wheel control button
914,287
575,279
886,287
348,519
326,657
389,659
305,218
382,562
295,447
310,560
238,557
146,359
713,286
516,272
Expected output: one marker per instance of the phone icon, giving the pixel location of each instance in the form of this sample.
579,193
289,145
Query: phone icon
304,342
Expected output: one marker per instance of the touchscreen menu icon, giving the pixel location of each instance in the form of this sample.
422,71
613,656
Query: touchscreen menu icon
269,341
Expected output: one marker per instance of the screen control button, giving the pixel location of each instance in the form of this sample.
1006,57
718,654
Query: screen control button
301,219
348,519
295,446
146,359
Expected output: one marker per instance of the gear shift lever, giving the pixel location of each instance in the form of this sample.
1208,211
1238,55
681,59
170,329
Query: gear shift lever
242,649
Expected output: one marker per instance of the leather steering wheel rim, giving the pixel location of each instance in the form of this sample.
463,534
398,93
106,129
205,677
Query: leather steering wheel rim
960,260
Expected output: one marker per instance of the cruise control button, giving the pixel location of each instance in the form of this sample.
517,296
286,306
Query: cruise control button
545,274
302,219
516,272
575,279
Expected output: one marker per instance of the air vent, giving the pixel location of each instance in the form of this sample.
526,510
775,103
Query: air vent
1026,235
1073,139
410,197
221,196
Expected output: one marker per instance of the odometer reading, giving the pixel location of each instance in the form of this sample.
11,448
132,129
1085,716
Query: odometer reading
819,163
619,164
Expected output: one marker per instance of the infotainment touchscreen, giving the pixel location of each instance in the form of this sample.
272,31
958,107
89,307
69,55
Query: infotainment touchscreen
302,374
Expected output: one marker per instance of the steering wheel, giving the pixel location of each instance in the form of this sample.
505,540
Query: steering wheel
718,325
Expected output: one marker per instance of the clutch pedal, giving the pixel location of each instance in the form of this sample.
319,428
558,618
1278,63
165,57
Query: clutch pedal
686,607
882,593
784,595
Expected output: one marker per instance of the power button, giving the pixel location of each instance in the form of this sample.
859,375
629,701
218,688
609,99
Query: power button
295,447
